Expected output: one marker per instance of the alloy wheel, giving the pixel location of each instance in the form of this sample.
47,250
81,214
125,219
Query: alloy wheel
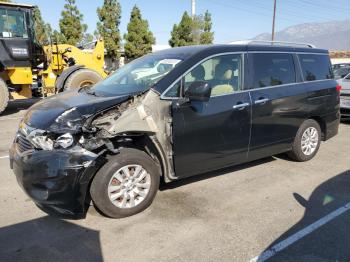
129,186
309,141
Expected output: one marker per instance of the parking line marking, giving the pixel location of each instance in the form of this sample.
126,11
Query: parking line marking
300,234
3,157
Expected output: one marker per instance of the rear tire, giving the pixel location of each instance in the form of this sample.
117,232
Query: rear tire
307,141
82,78
135,188
4,96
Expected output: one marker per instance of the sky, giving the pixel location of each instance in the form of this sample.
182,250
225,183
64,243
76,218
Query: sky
232,19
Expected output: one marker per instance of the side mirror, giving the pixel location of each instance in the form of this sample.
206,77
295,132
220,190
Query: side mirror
199,91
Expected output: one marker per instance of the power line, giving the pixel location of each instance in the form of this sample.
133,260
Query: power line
339,9
249,11
268,10
322,10
286,13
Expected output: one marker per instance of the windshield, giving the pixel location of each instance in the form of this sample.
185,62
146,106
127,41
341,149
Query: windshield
137,76
12,24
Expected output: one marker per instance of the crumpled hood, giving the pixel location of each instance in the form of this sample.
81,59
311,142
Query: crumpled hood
43,114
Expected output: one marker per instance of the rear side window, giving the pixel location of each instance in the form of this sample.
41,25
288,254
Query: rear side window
273,69
315,67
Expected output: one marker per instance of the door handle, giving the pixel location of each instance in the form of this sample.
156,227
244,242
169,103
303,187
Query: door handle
261,101
240,106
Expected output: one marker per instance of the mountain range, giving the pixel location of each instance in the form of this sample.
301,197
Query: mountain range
334,35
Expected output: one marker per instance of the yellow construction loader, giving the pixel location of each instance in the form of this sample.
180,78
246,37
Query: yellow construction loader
28,69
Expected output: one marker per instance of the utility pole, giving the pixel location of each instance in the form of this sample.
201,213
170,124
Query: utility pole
273,21
193,8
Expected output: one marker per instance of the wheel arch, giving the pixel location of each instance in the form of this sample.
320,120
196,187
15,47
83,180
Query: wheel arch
322,124
148,143
144,141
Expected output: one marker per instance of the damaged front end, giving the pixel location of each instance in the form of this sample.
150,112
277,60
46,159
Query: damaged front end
56,166
55,170
145,122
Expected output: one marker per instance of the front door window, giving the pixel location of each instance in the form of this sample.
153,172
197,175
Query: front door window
223,73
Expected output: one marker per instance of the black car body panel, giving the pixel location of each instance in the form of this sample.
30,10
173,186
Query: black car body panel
206,136
44,113
188,137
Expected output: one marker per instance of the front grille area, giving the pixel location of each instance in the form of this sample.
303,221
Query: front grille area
23,143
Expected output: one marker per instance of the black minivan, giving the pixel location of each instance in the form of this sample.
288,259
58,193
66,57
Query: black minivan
170,115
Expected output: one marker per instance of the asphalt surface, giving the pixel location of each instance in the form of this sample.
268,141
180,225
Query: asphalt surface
231,215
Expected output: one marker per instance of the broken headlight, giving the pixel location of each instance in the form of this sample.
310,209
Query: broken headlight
64,141
40,140
91,143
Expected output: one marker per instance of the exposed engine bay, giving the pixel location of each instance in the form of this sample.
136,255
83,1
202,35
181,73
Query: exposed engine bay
142,121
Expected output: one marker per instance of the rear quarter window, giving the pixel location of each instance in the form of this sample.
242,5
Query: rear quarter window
315,67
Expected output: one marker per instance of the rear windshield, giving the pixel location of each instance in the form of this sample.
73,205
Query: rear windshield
315,67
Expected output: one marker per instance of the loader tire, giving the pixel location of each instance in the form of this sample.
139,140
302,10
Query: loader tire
4,96
82,78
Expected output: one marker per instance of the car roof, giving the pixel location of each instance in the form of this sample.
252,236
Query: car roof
16,5
187,51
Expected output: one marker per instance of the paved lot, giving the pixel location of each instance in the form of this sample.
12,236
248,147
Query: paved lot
232,215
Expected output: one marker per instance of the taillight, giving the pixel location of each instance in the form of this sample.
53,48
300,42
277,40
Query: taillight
338,88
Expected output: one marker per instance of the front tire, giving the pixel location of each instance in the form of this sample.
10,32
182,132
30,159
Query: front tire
4,96
126,184
82,78
306,142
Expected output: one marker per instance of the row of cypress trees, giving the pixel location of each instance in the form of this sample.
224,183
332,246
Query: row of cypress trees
138,39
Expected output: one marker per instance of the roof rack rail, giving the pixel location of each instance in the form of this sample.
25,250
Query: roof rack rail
266,42
16,4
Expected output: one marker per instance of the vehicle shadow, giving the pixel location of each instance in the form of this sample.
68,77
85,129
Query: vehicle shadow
196,178
49,239
329,242
18,105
